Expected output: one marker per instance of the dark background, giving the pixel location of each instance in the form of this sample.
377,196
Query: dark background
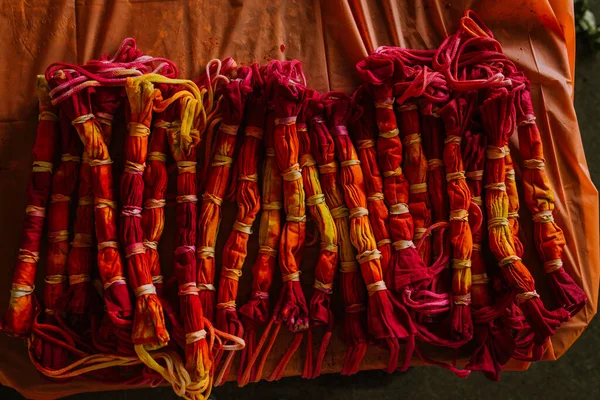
575,375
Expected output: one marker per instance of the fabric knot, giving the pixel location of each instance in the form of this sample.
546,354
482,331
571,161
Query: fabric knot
104,118
329,247
402,244
211,198
82,118
510,175
348,267
495,153
329,168
19,291
459,215
294,277
70,158
543,217
552,265
82,240
315,199
30,257
365,143
276,205
293,173
226,305
453,139
376,287
55,279
138,130
58,236
526,120
377,196
157,156
269,251
434,163
231,273
188,289
186,167
206,287
295,218
417,188
477,200
527,296
534,163
85,201
187,198
323,287
383,242
389,134
249,178
285,121
59,198
396,172
193,337
368,255
453,176
99,163
461,264
259,295
231,130
496,186
161,124
78,279
358,212
399,208
413,138
155,203
116,280
108,245
387,103
242,227
462,299
42,166
153,245
35,211
509,260
206,252
307,160
475,175
480,279
254,131
133,249
134,168
157,279
497,222
130,211
145,290
339,212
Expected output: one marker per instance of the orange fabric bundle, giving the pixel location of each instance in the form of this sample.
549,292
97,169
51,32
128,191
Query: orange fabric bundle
320,311
21,312
385,321
255,312
456,116
352,285
364,135
217,179
248,200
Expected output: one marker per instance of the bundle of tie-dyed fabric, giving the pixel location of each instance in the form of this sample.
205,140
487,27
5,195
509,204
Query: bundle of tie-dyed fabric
407,187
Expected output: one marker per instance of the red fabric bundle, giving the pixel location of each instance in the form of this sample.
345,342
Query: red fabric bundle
352,285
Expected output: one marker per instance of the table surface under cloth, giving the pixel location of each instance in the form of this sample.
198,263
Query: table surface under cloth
329,37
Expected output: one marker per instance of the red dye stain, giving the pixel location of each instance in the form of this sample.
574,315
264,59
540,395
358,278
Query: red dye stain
282,47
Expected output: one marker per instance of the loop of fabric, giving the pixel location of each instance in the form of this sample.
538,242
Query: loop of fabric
186,198
477,200
150,244
293,173
365,143
399,208
105,118
434,163
188,289
144,290
77,279
419,232
42,166
526,120
58,236
368,255
339,212
527,296
186,167
255,131
231,273
133,249
206,252
402,244
212,198
99,163
480,279
459,215
377,196
295,218
453,176
58,198
495,153
329,168
315,199
129,211
383,242
47,116
82,118
358,212
85,201
156,279
206,287
552,265
497,222
453,139
285,121
475,175
70,158
387,103
55,279
193,337
184,249
242,227
543,217
30,257
389,134
231,130
82,240
19,291
513,215
534,163
476,247
161,124
406,107
355,308
35,211
108,244
496,186
329,247
294,277
307,160
318,120
340,130
276,205
510,175
413,138
269,251
347,267
417,188
460,264
326,288
396,172
116,280
374,287
259,295
134,168
249,178
155,203
157,156
103,203
509,260
226,305
462,299
138,130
